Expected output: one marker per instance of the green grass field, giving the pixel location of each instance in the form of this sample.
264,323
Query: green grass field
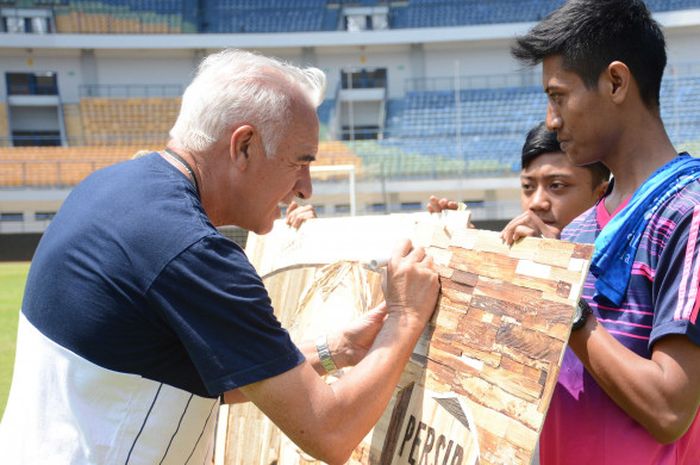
12,278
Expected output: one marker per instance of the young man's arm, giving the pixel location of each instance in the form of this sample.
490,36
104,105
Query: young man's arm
328,421
662,394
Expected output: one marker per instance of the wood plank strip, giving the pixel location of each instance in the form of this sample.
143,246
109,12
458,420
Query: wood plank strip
515,340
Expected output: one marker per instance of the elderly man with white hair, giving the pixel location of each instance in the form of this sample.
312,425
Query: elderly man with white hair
139,317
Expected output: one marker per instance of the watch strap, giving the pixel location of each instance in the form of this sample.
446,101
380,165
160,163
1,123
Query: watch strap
582,312
324,355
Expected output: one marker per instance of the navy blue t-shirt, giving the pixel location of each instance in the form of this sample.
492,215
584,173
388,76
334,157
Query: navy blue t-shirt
132,276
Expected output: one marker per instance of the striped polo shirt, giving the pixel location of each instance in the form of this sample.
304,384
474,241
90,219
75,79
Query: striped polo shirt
584,426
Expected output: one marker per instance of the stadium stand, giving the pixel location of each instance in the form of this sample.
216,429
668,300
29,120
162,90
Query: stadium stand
117,16
281,16
56,166
232,16
103,104
446,13
391,159
428,134
67,166
109,121
478,112
480,133
680,109
150,16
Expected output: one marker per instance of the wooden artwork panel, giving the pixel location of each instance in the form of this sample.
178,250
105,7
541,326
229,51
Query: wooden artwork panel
480,380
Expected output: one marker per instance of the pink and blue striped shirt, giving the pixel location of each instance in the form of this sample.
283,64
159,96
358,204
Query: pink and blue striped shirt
584,426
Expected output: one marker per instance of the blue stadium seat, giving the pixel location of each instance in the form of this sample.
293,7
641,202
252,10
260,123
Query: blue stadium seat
234,16
485,132
443,13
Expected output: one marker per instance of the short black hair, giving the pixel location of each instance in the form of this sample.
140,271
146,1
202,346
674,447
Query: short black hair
540,140
591,34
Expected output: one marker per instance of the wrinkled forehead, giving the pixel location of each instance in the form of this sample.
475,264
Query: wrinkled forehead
301,133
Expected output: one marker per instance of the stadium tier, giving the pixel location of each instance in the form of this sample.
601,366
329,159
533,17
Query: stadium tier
430,134
124,16
680,110
281,16
239,16
423,107
130,121
67,166
56,166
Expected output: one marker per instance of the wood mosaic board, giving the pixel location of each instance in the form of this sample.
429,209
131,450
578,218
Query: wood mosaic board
480,380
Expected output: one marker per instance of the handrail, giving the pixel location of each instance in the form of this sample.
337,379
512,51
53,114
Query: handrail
129,90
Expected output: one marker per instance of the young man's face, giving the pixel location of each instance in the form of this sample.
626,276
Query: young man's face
556,190
579,115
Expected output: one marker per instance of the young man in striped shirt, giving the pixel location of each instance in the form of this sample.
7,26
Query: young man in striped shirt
629,387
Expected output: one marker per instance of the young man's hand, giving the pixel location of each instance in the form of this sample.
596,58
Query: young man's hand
436,205
297,214
528,224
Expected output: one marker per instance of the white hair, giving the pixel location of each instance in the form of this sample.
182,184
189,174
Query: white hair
238,87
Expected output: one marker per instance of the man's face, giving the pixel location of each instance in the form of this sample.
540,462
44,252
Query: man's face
285,174
579,115
556,190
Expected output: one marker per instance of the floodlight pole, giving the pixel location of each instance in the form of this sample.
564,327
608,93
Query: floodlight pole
350,169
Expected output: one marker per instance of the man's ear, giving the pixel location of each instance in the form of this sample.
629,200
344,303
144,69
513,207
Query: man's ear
618,81
239,147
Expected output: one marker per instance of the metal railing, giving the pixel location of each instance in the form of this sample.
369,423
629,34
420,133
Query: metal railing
129,90
146,140
43,173
485,81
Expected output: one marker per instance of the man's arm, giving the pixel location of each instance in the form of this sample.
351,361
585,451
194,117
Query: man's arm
328,421
661,394
348,346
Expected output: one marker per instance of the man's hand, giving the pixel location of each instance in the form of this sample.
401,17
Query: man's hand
436,205
412,284
297,214
351,344
328,420
528,224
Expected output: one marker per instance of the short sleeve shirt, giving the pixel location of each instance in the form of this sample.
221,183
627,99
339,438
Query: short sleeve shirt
583,425
133,277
